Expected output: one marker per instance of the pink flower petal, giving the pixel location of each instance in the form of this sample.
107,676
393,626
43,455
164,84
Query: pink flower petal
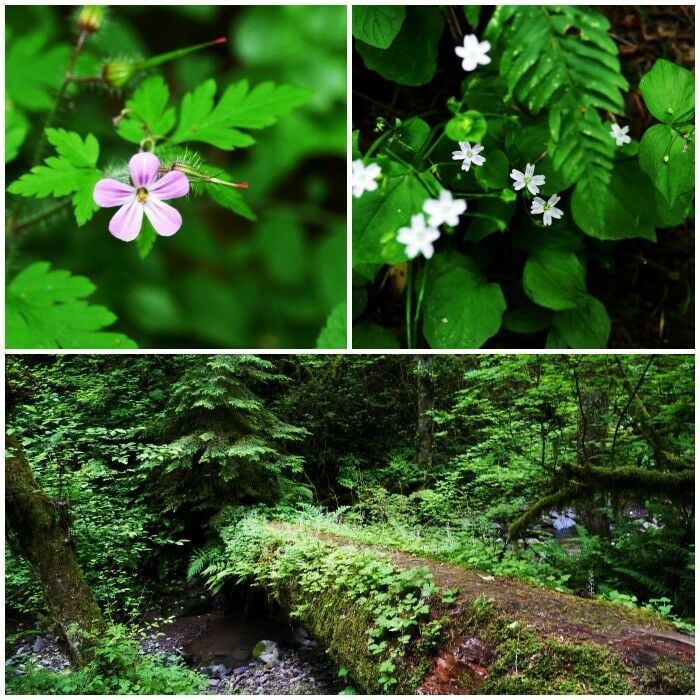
126,223
166,220
143,168
171,185
112,193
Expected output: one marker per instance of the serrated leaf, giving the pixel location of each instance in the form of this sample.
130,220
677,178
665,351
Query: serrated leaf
412,57
231,199
147,111
623,208
72,172
555,279
45,309
238,108
377,25
669,92
33,70
586,327
334,333
669,160
462,309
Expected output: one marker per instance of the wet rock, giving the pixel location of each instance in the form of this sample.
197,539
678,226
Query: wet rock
267,651
39,645
218,671
214,682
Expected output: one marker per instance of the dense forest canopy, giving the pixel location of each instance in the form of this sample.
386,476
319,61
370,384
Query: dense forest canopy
485,461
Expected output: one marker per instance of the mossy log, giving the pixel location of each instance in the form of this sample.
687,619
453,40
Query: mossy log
500,636
36,531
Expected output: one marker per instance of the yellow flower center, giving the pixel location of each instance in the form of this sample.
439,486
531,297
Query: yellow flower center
142,194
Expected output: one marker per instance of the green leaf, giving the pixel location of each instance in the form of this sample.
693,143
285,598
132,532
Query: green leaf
623,208
230,198
33,71
491,215
146,239
372,336
239,107
669,160
334,333
377,216
669,92
377,25
412,57
472,12
527,319
16,130
147,111
555,279
466,126
44,309
586,327
493,174
462,309
74,172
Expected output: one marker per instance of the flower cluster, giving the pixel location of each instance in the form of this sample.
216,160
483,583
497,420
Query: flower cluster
421,234
533,182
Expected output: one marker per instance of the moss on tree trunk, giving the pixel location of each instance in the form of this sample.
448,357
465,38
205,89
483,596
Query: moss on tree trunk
37,531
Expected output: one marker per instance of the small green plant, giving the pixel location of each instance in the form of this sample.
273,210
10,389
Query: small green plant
117,668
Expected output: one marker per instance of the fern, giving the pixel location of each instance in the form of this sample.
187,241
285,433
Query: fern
562,57
203,559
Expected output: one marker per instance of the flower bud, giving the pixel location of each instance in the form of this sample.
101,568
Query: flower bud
117,73
90,18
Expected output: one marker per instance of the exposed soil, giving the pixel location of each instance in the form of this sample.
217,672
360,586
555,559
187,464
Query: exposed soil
646,287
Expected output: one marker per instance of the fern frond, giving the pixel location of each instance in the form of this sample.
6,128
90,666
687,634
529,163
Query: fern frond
550,52
203,559
562,58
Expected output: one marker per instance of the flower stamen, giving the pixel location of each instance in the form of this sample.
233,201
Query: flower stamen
142,194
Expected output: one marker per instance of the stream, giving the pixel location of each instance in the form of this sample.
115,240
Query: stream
216,637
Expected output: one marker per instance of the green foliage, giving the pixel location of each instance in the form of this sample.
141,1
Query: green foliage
45,309
334,333
74,171
411,56
669,92
117,668
239,107
543,98
217,283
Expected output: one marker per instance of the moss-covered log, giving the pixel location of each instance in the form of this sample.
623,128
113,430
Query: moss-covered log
36,531
497,636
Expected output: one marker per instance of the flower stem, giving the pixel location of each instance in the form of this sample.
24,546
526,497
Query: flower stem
409,303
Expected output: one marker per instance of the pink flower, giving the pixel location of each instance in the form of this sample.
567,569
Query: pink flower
146,195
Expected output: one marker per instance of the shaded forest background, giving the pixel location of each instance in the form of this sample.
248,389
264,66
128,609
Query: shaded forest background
467,459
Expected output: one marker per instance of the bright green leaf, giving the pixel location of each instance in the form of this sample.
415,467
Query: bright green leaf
378,215
669,92
334,333
238,108
147,111
493,174
669,160
45,309
466,126
555,279
377,25
622,208
586,327
16,130
462,309
33,71
72,172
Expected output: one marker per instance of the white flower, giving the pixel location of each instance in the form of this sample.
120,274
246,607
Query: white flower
547,209
469,154
473,53
364,177
527,179
444,210
418,238
620,134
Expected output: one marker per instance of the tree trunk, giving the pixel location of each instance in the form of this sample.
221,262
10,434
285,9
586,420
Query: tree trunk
425,403
37,530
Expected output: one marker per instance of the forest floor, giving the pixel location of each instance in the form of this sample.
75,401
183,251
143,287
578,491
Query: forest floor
638,637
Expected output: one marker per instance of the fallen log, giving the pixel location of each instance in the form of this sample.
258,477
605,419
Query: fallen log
404,624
